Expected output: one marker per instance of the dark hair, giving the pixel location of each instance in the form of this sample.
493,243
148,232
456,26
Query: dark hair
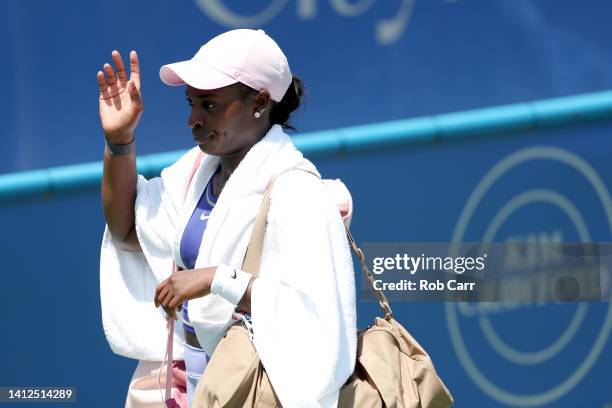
281,111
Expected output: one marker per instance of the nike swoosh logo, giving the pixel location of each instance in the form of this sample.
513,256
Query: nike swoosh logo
204,217
234,274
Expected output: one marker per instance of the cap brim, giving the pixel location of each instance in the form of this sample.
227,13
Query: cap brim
194,73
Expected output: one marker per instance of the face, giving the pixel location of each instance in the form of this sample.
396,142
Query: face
222,120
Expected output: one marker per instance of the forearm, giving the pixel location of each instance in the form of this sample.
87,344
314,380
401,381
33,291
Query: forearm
119,181
187,284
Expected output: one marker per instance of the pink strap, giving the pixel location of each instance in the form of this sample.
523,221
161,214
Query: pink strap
168,400
196,164
168,362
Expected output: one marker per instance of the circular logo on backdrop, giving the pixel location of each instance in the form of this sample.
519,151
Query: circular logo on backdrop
387,30
479,316
219,12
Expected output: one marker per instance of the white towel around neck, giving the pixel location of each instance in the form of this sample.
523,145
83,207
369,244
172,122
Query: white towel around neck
302,304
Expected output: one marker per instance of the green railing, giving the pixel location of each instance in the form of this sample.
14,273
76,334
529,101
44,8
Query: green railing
480,122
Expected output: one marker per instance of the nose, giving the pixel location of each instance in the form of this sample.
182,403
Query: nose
195,120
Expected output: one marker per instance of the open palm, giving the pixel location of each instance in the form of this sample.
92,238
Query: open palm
120,99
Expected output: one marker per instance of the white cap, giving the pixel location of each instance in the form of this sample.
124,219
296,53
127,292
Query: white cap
244,55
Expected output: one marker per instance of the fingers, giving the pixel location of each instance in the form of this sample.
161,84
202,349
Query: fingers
171,313
166,296
134,94
102,83
160,292
175,302
135,69
166,299
121,72
110,76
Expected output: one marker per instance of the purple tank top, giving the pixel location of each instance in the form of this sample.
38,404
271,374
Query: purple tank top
192,237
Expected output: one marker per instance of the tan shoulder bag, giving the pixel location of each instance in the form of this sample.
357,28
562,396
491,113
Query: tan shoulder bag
391,370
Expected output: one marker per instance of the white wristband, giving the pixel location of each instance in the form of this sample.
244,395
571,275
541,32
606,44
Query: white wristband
231,283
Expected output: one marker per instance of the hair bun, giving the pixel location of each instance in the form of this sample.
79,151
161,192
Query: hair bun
281,111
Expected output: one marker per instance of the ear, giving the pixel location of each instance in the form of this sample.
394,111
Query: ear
261,102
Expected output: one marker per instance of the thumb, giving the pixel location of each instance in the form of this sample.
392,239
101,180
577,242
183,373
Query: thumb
135,96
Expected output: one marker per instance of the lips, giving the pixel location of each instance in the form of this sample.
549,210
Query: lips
202,137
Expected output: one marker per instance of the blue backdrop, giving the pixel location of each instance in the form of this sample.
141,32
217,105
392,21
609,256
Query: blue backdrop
363,61
444,56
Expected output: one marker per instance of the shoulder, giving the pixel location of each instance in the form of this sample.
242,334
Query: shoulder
169,186
173,177
182,166
299,192
299,187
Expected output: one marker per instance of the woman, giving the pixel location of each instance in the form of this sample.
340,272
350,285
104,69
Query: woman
199,215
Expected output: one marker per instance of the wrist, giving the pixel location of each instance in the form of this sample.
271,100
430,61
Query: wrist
207,279
230,283
120,149
120,137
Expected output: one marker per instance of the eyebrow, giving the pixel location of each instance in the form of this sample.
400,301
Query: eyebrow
204,95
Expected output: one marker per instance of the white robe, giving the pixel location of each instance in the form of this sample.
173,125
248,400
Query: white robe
302,304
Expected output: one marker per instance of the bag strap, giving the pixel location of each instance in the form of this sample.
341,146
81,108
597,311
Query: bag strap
252,258
382,299
167,360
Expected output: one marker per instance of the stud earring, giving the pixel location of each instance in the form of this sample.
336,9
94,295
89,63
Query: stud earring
257,115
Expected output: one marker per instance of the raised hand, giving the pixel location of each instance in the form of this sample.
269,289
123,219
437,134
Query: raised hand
120,99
